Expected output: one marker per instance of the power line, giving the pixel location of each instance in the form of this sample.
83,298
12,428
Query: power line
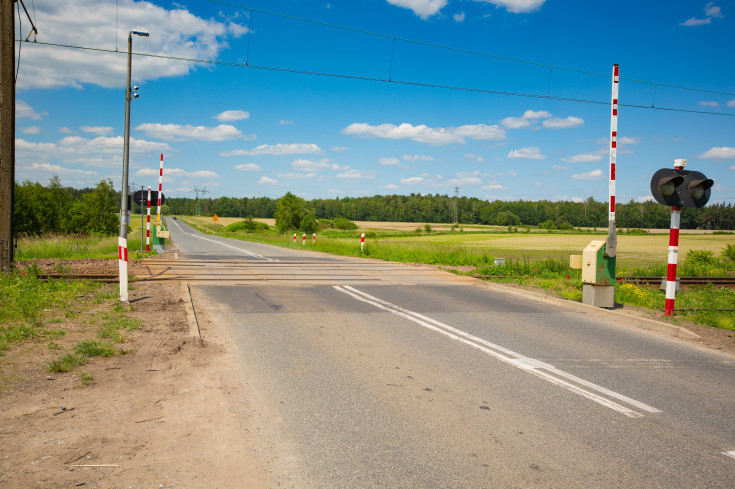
465,51
386,80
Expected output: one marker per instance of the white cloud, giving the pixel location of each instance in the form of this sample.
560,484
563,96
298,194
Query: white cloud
175,132
100,151
248,167
267,180
465,178
694,22
176,173
57,170
731,103
566,123
528,119
232,115
709,103
424,134
411,180
391,186
357,175
590,175
98,130
315,166
516,6
471,156
512,173
392,160
560,167
30,130
417,158
459,17
65,130
732,167
285,122
719,153
25,111
578,200
527,153
516,122
711,11
176,33
494,186
296,176
339,149
276,149
422,8
583,158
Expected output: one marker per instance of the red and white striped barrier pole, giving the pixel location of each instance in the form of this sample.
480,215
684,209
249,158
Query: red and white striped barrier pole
612,238
673,251
313,238
148,224
303,239
294,238
362,242
160,189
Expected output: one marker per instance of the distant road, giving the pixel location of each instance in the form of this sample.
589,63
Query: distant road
361,374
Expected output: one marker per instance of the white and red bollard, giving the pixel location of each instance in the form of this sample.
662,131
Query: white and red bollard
148,224
673,251
362,242
294,238
122,254
303,239
313,238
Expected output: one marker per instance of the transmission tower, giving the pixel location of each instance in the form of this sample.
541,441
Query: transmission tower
456,204
198,191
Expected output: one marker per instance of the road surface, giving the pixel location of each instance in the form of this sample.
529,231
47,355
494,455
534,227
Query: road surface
359,374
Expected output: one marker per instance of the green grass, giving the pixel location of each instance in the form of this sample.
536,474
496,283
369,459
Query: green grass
66,363
95,348
115,328
25,300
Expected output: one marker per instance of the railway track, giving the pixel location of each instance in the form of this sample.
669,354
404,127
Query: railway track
220,273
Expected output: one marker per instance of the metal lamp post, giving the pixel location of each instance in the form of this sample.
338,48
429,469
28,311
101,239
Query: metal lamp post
122,240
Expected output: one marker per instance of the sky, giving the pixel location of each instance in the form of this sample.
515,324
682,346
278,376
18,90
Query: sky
502,99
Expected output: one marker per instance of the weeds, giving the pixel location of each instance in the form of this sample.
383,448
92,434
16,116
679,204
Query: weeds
95,348
67,363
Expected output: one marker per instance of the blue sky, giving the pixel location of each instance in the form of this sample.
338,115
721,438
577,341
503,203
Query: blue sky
252,125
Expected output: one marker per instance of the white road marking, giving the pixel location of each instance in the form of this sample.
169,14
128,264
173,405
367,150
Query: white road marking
527,364
245,252
730,454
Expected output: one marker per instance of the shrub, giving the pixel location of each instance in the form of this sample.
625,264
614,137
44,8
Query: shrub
728,253
343,223
247,225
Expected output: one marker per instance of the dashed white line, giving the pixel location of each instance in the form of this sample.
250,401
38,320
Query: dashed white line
527,364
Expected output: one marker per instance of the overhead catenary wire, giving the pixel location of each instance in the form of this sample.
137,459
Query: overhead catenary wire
383,80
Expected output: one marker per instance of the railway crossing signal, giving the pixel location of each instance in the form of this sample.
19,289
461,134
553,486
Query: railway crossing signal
676,187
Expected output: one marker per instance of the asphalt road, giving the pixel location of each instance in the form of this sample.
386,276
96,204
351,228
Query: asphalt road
445,383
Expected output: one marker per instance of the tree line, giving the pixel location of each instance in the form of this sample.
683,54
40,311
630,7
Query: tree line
56,209
470,210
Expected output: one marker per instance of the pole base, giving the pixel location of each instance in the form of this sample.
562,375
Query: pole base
599,295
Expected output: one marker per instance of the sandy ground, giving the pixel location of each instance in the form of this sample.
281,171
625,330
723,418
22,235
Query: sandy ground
159,417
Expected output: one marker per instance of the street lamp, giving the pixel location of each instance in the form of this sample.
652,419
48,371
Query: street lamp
122,240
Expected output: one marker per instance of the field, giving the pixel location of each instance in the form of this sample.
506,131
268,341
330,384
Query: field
634,250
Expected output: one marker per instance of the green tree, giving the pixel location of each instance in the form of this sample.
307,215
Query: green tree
290,211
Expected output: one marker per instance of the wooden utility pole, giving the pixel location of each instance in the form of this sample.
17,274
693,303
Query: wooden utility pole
7,131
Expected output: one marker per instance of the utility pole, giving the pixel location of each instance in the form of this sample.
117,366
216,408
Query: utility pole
7,132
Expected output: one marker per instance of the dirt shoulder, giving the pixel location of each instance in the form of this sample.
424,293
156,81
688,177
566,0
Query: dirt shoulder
157,417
